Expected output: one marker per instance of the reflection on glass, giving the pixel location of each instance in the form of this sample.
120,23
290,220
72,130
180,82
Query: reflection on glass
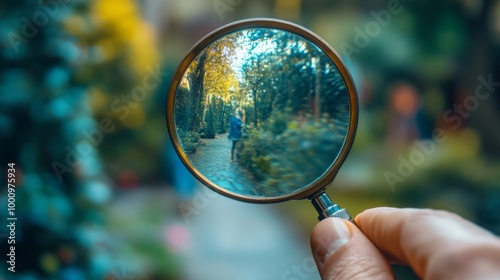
262,112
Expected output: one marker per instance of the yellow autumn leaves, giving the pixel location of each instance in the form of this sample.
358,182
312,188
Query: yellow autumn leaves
114,37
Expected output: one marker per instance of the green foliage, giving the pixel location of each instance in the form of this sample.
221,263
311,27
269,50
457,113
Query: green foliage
72,67
286,153
223,112
469,187
181,107
277,124
210,119
296,81
189,140
211,80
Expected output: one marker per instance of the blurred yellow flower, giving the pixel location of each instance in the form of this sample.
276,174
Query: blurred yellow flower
126,32
97,99
135,119
122,46
49,263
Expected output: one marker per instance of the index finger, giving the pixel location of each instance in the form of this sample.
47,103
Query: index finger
436,244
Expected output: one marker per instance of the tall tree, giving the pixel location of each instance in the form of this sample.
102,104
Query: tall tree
211,75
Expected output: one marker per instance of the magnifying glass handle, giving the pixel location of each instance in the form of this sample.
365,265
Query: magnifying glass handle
326,208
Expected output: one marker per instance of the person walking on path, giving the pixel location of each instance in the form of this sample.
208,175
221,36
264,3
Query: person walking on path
235,124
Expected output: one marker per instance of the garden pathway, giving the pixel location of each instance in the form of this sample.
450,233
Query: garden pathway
213,160
232,240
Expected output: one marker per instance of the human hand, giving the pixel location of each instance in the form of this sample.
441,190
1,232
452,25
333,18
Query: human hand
435,244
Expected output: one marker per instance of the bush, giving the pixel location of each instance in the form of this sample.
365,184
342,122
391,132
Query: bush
285,154
210,125
189,140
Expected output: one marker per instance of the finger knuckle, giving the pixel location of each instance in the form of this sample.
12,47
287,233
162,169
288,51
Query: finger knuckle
357,268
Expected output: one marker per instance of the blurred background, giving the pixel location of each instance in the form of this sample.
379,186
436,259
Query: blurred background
100,194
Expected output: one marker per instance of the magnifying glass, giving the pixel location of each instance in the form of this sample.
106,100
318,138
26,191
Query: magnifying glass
264,111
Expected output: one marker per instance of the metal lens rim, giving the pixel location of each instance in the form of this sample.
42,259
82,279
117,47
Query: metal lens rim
319,184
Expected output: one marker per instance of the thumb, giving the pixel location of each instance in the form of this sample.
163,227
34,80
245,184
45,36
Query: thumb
342,252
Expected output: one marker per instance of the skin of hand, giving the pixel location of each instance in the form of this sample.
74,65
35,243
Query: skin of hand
435,244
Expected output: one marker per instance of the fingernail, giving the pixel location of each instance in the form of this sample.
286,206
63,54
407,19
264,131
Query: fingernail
334,235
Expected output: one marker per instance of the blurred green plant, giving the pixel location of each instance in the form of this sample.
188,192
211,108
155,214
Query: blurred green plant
70,68
189,140
266,151
462,182
121,69
210,125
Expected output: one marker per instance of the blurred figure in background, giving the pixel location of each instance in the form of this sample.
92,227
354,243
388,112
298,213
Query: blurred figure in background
235,129
404,102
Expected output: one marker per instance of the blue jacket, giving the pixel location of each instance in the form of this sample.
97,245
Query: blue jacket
234,129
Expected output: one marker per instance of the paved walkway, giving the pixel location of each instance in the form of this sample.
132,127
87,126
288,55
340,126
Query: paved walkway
220,238
233,240
213,160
